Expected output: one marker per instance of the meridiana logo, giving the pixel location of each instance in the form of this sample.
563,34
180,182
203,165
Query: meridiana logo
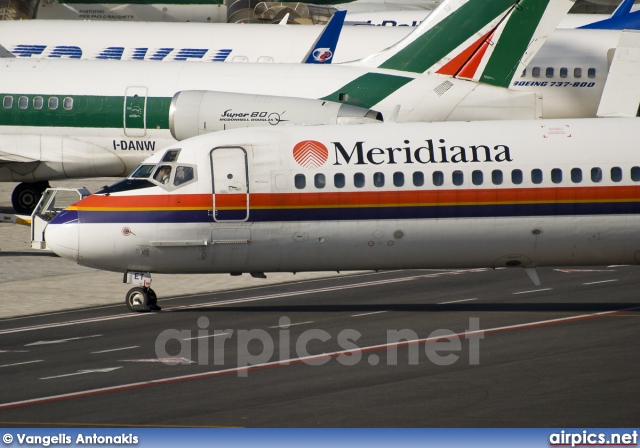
310,154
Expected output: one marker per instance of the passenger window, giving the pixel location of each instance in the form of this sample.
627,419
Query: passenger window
163,173
556,175
535,72
635,174
496,177
591,73
358,180
616,174
300,181
516,177
378,179
576,175
564,72
38,102
183,175
549,72
536,176
53,102
476,177
7,102
67,103
339,180
596,175
418,178
438,178
171,155
398,179
23,102
457,177
577,72
319,181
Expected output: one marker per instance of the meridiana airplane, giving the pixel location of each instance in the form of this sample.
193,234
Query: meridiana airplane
456,65
372,196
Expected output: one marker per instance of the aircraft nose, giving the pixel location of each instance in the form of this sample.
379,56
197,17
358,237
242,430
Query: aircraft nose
62,239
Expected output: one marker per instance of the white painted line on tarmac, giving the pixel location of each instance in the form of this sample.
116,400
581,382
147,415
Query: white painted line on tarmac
533,290
116,349
22,363
206,336
456,301
62,341
368,314
293,325
601,281
293,361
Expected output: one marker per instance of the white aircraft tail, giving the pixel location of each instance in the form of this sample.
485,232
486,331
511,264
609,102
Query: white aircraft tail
621,94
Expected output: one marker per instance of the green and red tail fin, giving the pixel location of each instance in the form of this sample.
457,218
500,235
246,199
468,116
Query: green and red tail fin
480,40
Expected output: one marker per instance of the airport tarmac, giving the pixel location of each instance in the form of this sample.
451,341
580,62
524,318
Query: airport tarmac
35,281
352,351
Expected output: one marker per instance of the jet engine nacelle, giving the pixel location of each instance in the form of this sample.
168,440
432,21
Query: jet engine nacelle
196,112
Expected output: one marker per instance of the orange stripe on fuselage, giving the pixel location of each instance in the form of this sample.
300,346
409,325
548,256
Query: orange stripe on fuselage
400,198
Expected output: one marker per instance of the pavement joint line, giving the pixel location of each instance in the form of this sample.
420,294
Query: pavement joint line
533,290
116,349
368,314
456,301
292,325
206,336
295,361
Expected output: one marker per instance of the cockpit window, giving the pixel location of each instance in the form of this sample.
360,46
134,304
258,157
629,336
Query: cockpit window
183,174
163,173
171,155
143,172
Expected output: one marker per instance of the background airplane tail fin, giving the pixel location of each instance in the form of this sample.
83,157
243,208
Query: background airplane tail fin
324,47
482,40
507,48
621,19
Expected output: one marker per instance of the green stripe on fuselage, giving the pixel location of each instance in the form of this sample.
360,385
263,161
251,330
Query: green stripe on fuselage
368,90
513,42
88,112
446,36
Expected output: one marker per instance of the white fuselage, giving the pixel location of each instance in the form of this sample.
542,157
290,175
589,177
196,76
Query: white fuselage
386,196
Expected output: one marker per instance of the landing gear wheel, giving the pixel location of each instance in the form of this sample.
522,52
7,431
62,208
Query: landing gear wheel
137,300
25,196
153,300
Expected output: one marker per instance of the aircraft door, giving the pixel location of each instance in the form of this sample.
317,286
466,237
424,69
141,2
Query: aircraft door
135,112
230,184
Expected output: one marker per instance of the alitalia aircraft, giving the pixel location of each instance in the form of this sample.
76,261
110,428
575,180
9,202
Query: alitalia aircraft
456,65
372,196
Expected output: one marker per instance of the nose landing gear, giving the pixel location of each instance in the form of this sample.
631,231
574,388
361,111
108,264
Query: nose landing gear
141,298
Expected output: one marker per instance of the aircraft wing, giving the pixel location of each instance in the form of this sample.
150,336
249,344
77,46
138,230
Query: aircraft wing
7,157
325,46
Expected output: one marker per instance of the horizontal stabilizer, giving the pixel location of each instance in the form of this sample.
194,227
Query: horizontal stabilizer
621,95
